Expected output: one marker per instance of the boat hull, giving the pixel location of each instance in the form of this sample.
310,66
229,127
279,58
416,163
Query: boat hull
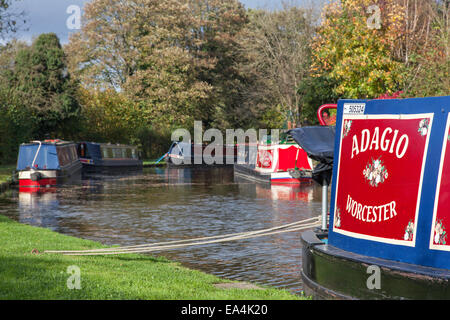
277,178
90,165
331,273
35,179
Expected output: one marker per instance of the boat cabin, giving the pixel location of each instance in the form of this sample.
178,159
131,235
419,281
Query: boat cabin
46,163
104,155
387,236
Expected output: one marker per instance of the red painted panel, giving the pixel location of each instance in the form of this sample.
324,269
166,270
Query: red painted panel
379,177
288,157
441,217
40,183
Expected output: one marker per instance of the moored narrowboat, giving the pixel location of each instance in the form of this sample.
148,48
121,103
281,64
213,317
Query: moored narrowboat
47,163
387,232
275,163
98,156
190,154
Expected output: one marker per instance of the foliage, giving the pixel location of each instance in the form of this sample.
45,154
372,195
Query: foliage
358,58
277,47
15,126
430,62
314,92
108,116
40,83
174,57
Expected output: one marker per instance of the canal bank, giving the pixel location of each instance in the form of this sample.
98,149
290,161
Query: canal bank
6,174
27,273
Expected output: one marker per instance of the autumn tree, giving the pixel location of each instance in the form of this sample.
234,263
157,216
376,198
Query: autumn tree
356,52
174,57
429,52
213,39
277,46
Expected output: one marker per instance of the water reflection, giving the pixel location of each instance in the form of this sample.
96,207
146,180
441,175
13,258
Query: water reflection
181,203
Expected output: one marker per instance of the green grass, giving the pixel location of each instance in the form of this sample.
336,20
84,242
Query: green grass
151,163
6,172
27,275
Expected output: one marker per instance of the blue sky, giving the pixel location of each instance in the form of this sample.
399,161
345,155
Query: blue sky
55,15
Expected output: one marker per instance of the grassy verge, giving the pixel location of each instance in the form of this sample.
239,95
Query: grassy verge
6,172
27,275
152,163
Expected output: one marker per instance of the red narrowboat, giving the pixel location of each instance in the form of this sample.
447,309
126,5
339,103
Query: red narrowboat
276,163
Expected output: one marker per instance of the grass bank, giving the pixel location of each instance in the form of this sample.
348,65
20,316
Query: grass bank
28,275
6,172
152,163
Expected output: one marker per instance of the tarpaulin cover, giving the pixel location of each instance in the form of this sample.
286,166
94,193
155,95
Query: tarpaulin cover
318,143
47,157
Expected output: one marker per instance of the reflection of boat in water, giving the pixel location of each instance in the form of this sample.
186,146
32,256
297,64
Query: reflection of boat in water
387,233
108,157
300,192
37,207
285,192
47,164
275,163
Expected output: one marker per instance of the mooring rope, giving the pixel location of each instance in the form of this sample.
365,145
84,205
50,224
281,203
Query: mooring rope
295,226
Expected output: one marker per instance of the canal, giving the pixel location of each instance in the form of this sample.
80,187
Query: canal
164,204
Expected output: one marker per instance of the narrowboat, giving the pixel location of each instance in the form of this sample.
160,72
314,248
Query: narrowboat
275,163
99,156
47,163
387,232
190,154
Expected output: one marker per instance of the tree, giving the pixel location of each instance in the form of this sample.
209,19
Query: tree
277,47
355,55
10,21
174,57
40,82
429,63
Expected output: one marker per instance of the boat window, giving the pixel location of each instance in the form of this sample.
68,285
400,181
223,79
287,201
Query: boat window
45,159
104,152
117,153
124,152
128,155
73,153
133,153
63,155
107,152
83,150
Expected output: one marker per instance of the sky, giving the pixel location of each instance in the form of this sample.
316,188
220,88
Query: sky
60,16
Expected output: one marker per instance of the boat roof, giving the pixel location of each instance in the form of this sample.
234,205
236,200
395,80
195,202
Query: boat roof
56,142
109,144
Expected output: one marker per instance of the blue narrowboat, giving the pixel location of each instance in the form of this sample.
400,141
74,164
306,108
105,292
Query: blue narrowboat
388,164
98,156
47,163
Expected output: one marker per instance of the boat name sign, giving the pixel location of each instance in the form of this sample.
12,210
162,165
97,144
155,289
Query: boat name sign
378,154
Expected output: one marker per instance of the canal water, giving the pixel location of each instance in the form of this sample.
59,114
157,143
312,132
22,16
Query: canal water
163,204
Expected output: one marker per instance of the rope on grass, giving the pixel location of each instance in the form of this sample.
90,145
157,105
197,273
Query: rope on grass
292,227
